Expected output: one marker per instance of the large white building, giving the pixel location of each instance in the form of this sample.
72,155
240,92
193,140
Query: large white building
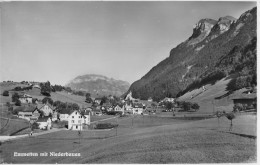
76,120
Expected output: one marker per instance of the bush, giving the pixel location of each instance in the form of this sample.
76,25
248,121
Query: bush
105,126
114,113
238,107
18,103
186,106
5,93
35,126
15,97
195,106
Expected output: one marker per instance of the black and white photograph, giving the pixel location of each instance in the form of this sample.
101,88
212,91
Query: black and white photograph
128,82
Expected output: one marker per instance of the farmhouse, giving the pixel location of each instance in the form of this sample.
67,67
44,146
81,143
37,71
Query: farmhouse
63,114
25,98
76,120
87,116
247,100
138,108
44,122
25,112
47,109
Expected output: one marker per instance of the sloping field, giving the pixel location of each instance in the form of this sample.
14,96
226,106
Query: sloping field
61,96
13,126
194,142
206,99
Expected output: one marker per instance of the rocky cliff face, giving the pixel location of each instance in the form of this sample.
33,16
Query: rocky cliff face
196,58
99,85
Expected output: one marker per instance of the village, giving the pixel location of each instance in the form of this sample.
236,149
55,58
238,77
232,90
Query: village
128,82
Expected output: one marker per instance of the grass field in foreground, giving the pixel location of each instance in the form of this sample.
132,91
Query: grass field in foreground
13,126
194,142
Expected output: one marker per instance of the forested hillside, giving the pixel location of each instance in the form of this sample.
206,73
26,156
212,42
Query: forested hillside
216,49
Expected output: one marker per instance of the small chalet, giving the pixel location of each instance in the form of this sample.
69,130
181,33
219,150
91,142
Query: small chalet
44,122
25,98
119,108
76,120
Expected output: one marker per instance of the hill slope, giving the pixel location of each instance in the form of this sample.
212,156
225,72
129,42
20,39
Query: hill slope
98,84
208,54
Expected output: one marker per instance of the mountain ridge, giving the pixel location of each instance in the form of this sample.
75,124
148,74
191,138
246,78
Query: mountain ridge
98,85
196,57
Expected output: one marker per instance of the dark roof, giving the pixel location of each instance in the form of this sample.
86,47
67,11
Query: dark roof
77,111
65,111
245,96
121,106
39,106
30,108
138,105
43,119
85,112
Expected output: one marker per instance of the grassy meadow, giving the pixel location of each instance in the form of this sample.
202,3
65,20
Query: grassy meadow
202,141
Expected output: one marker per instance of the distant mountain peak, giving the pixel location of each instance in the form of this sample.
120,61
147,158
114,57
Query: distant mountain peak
201,30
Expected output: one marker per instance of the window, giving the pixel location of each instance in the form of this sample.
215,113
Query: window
76,127
72,121
72,116
76,112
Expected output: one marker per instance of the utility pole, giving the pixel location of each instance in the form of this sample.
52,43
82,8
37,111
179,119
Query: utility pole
132,120
213,106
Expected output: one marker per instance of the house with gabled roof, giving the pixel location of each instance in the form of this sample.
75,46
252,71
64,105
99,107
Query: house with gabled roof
44,122
25,112
46,108
63,114
248,101
76,120
138,108
24,98
119,108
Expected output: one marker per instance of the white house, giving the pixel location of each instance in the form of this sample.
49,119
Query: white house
44,122
25,114
138,109
76,120
87,116
119,108
25,98
166,99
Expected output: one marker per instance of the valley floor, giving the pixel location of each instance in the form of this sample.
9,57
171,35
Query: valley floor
174,141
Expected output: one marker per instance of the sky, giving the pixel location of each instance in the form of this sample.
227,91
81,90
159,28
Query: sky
57,41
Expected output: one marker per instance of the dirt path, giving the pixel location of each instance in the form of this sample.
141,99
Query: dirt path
7,138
